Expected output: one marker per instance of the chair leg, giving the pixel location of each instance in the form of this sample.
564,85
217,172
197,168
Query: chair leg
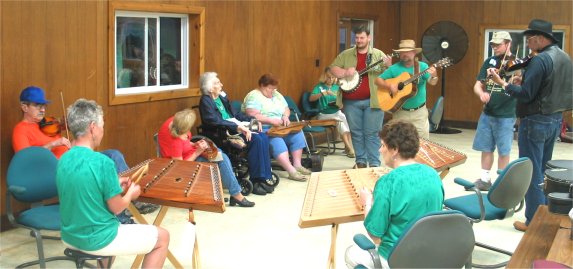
497,265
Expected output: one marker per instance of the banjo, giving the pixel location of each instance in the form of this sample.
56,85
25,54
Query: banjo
350,84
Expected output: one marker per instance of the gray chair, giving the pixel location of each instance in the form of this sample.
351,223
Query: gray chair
441,239
435,114
31,179
505,197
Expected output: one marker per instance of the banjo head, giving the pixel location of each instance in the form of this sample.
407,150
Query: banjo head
349,85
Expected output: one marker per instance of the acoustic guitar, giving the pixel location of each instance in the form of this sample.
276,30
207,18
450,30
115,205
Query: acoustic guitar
392,102
349,85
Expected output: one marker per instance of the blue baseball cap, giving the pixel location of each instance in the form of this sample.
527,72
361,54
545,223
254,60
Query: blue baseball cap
33,94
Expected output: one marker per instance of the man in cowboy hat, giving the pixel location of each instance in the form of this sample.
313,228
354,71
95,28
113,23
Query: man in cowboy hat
414,108
495,124
361,105
545,91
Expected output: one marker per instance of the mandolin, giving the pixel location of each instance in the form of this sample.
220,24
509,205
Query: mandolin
349,85
391,103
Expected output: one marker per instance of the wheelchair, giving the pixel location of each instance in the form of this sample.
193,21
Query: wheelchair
237,156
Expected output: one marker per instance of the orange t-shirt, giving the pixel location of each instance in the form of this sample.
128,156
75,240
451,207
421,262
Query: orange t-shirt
28,134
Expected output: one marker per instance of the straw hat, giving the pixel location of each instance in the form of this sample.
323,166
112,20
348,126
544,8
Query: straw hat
408,45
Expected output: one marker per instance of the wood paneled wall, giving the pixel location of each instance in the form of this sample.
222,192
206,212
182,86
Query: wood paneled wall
62,46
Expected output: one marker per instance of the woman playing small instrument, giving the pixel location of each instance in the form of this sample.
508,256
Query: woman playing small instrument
408,191
174,139
216,113
325,92
268,106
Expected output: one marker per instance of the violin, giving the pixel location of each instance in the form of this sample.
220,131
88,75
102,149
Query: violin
516,64
51,126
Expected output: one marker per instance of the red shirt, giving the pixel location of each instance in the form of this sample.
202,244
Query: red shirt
28,134
363,90
173,147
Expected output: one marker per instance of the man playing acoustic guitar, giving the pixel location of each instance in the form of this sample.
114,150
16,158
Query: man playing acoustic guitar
414,109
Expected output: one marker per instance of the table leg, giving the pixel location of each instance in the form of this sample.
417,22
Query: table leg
444,173
157,222
332,255
196,260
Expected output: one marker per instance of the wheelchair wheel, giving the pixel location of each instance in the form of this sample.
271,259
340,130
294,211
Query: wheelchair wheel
246,186
274,181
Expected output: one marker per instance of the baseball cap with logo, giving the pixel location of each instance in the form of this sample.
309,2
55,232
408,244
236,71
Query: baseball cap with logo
33,94
499,37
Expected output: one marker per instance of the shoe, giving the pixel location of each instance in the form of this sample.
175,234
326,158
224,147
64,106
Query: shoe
243,203
266,187
359,165
258,189
303,170
145,208
296,176
480,185
124,218
520,226
351,154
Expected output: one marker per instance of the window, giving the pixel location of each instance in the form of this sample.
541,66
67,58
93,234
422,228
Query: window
346,33
156,51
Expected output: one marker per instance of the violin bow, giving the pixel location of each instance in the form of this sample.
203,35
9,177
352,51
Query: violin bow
64,110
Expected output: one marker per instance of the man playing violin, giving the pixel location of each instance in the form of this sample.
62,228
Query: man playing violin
361,107
495,124
27,133
545,91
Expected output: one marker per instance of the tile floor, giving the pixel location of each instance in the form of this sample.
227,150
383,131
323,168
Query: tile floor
268,236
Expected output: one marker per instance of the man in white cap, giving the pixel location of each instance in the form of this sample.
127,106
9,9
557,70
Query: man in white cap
495,124
545,91
414,108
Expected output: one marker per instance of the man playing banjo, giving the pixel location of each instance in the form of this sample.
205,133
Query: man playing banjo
357,68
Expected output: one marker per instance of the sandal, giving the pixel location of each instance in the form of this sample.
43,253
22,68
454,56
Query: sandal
296,176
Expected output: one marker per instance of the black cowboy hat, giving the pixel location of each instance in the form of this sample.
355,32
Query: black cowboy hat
540,27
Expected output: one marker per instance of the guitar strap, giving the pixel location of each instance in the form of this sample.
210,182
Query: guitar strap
416,71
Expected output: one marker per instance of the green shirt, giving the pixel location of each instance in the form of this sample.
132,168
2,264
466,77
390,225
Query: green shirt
221,108
401,196
86,180
397,69
323,101
348,58
500,105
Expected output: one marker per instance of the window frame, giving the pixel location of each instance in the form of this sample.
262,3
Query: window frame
195,54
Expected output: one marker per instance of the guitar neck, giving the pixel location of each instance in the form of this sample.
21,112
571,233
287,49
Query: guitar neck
394,54
414,77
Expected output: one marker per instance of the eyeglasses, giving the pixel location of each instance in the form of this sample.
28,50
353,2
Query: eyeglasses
527,39
39,106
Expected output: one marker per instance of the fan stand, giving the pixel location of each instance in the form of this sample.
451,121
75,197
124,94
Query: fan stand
441,39
441,128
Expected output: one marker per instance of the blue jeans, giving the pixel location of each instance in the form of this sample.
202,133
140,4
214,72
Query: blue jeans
536,138
365,123
258,157
227,175
116,156
494,132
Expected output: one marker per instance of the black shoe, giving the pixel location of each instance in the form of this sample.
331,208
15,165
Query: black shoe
360,165
480,185
267,188
243,203
258,189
